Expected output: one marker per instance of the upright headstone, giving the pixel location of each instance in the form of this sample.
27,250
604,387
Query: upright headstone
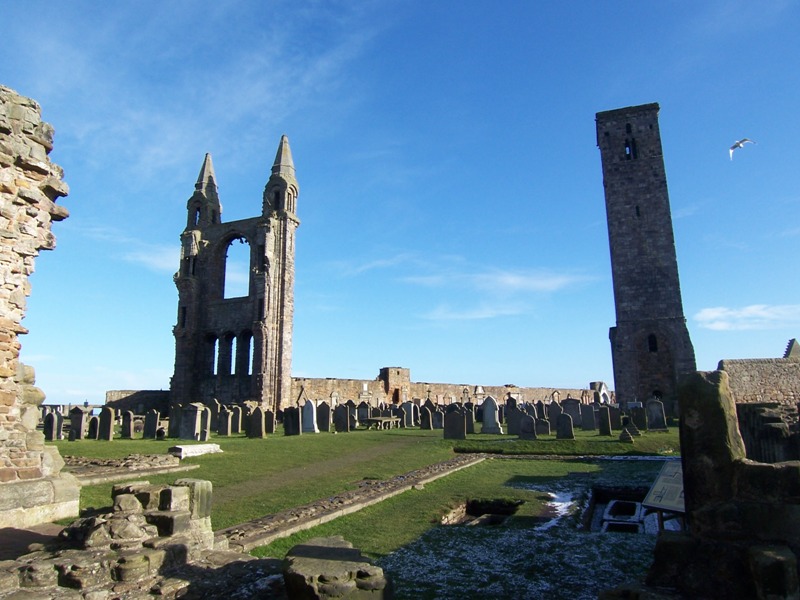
341,419
470,419
572,406
94,428
191,421
205,423
77,423
309,417
542,427
214,406
415,414
564,430
236,419
324,416
513,419
455,425
291,421
639,417
511,404
437,419
587,417
491,422
408,414
126,432
151,424
527,427
256,428
656,419
224,421
174,423
425,418
269,422
615,416
541,411
604,420
362,412
106,430
553,412
51,430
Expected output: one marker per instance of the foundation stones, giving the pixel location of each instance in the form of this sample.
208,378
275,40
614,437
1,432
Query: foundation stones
324,568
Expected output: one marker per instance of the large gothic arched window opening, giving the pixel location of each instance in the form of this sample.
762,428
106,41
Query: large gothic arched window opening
237,268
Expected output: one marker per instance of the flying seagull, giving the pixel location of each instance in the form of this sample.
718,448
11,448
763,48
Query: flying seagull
739,144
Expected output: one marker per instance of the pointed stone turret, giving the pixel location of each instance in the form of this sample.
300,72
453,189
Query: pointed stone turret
204,206
280,194
207,180
792,349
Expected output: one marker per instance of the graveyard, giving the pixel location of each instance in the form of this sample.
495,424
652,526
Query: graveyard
548,480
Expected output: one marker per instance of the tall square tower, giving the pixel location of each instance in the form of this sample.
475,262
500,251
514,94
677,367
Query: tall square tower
650,345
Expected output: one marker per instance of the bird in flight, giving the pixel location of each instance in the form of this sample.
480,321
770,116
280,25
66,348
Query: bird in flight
740,144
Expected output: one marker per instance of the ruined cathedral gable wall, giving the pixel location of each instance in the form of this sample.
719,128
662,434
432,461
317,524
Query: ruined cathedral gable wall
763,380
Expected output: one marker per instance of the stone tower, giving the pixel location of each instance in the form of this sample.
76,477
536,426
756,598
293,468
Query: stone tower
650,345
235,349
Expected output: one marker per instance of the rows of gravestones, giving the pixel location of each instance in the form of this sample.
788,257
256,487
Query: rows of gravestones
197,421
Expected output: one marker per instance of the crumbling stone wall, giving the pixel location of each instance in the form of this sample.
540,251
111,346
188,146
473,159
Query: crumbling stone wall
32,489
764,380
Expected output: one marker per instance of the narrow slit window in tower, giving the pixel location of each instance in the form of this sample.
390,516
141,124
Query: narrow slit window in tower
652,343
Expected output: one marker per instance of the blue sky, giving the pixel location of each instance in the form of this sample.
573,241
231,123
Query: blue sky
451,196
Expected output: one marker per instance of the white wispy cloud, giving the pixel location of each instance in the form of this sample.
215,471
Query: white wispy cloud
444,312
755,316
501,280
161,258
351,269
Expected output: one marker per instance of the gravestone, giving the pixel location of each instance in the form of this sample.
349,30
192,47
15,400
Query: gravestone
455,425
224,421
408,414
174,423
491,422
587,417
291,421
541,411
425,418
161,434
656,419
511,403
106,428
513,419
415,414
214,406
572,406
269,422
236,419
542,427
341,419
205,434
77,423
564,429
52,427
151,424
470,419
94,428
437,419
527,427
191,421
530,409
256,427
615,417
126,433
639,417
205,422
604,420
429,405
362,412
309,417
553,412
324,416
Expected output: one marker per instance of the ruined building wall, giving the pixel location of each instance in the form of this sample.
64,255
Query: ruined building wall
32,489
763,380
650,345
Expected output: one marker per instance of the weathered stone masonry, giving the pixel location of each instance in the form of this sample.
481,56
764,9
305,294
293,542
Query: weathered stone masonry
32,488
